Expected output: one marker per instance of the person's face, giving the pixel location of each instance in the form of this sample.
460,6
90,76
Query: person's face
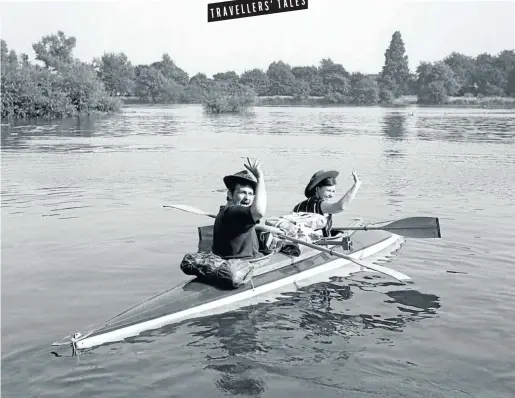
327,192
243,195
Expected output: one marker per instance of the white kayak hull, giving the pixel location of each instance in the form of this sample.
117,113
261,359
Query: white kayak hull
194,299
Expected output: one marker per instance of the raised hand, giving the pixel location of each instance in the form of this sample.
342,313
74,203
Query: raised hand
254,168
356,178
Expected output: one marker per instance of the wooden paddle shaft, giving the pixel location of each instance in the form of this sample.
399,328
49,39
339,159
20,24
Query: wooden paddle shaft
383,270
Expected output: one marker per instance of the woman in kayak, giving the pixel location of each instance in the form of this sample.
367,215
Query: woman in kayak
320,189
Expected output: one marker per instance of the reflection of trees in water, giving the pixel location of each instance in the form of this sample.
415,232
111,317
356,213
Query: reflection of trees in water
237,335
394,126
304,325
35,133
466,128
15,136
395,130
244,123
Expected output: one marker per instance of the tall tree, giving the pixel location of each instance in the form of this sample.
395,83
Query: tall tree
171,71
150,83
490,78
363,90
116,72
55,50
257,79
230,76
12,59
5,49
200,79
464,68
196,88
311,76
511,83
395,72
334,77
24,59
281,78
436,82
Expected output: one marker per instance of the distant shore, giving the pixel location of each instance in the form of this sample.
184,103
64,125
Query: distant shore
59,85
406,100
490,102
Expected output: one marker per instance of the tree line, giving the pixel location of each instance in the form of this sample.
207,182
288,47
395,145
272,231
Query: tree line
61,85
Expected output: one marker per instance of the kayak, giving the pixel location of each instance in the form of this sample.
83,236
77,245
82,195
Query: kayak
273,274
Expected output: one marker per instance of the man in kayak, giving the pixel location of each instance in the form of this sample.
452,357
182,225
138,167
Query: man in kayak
234,234
320,190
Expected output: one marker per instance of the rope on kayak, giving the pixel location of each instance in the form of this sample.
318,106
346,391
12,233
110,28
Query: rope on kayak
249,277
74,337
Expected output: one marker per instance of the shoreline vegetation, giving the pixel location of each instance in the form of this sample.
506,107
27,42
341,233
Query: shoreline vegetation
404,100
58,85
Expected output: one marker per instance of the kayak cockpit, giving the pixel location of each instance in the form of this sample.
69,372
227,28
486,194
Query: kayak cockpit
275,252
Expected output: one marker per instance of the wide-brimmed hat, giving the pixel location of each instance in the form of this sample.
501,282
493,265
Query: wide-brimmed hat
241,177
317,178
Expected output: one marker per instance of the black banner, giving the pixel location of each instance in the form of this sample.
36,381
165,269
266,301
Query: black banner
226,10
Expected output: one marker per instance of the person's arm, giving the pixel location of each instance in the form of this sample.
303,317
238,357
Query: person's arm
258,208
341,205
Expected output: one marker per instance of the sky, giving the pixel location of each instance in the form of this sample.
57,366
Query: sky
354,33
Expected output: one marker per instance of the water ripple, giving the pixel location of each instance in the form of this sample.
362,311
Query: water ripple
84,236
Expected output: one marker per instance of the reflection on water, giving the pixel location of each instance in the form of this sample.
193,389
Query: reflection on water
395,131
111,175
237,334
448,124
394,126
497,127
418,305
89,133
71,134
313,324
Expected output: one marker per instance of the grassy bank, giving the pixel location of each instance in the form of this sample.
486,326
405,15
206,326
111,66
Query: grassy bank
407,100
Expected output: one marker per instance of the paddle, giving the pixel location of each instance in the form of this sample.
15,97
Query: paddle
411,227
384,270
189,209
378,268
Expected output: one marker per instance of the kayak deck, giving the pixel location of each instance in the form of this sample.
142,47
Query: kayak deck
195,298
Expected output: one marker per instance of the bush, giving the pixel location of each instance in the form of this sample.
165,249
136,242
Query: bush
30,91
63,87
364,90
434,93
386,96
222,97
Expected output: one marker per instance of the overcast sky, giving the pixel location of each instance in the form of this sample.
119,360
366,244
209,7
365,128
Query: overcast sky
354,33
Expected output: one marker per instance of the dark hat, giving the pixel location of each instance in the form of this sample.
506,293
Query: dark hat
317,178
241,177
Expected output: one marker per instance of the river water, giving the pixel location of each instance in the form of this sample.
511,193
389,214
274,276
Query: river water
85,236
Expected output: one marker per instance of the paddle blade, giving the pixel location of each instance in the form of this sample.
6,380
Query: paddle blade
415,227
191,209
